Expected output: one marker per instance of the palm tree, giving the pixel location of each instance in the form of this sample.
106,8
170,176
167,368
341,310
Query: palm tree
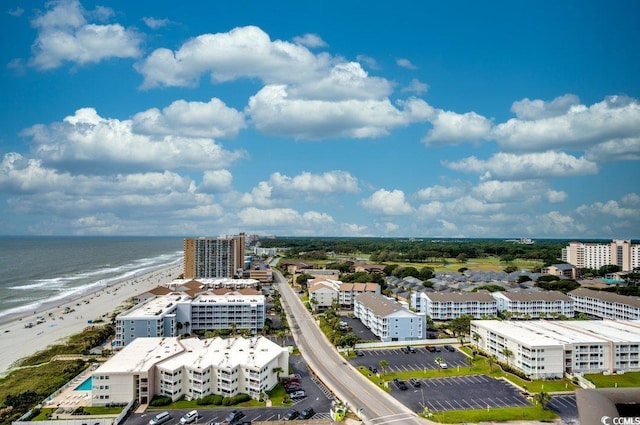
383,365
232,328
186,326
470,361
491,360
277,370
179,327
542,398
507,354
476,337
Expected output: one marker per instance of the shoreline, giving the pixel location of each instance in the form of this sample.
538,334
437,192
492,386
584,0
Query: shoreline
19,341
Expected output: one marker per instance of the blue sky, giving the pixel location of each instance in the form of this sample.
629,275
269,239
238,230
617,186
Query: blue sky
424,119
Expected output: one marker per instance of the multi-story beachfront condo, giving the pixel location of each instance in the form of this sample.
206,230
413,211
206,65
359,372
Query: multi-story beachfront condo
605,305
547,349
534,305
451,305
621,253
214,257
388,319
179,312
190,368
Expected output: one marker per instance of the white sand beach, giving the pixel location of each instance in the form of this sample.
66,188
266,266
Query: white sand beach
18,341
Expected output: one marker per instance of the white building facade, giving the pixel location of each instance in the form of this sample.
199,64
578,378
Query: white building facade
190,368
388,319
605,305
544,349
178,312
594,255
534,305
451,305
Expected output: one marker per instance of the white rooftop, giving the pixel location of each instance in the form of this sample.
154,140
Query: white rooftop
565,332
141,355
156,306
173,353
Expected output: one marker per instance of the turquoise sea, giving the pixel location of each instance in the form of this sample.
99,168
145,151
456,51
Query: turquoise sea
38,270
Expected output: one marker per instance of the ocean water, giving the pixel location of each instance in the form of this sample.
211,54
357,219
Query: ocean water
38,270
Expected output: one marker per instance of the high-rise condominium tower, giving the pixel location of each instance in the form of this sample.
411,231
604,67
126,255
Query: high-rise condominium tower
213,257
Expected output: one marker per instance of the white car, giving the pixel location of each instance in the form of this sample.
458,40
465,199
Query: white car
298,394
442,364
189,417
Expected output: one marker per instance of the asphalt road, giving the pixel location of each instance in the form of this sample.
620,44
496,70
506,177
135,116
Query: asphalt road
372,405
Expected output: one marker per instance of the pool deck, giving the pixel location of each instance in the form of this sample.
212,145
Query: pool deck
69,398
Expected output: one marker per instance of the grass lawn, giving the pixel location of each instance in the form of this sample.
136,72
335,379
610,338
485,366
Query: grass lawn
626,380
503,414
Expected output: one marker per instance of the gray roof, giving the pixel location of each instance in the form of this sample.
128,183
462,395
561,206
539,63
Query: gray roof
537,296
607,296
378,304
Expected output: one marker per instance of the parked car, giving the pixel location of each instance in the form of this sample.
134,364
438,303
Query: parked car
291,415
307,413
449,348
373,369
189,417
293,388
442,364
432,349
405,350
234,417
411,349
298,394
414,382
359,353
400,384
160,418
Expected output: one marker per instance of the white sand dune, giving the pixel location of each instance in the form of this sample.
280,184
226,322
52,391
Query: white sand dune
17,341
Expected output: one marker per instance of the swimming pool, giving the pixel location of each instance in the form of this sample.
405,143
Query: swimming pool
612,281
85,386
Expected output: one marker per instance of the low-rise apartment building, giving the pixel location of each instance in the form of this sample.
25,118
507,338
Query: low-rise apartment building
193,310
561,270
451,305
347,292
605,305
324,292
388,319
534,305
544,349
190,368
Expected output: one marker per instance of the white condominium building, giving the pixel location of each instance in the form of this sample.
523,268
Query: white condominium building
606,305
325,292
450,305
388,319
534,305
190,368
544,349
621,253
181,312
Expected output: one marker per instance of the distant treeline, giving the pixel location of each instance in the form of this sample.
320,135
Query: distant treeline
419,250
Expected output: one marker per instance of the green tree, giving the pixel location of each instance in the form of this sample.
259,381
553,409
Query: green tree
383,365
543,399
507,353
277,370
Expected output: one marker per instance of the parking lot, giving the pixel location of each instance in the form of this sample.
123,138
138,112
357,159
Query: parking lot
404,362
459,393
565,406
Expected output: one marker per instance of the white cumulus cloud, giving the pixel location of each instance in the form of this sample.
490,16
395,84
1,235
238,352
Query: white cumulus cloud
88,141
508,166
385,202
64,35
192,119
